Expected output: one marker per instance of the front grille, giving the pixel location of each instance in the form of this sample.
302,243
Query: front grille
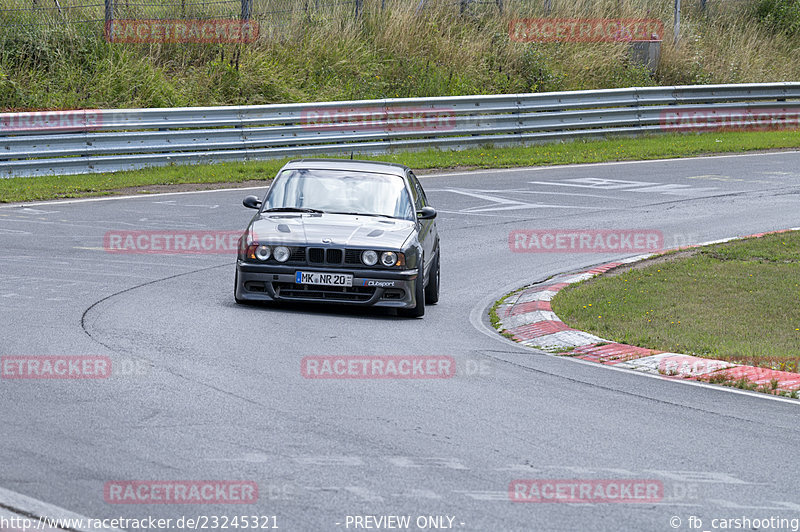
316,255
330,293
352,256
333,256
304,256
325,255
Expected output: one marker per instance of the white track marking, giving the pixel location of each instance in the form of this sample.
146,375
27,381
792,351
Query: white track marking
426,462
607,163
502,204
562,340
364,494
542,295
11,522
28,210
426,176
597,183
526,318
29,506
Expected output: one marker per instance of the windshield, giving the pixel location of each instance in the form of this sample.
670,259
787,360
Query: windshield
341,191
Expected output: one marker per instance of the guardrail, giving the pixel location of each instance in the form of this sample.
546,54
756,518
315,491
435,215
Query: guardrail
77,142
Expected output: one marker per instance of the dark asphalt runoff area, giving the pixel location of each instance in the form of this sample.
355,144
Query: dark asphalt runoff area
204,389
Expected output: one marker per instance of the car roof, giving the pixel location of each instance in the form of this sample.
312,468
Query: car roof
348,164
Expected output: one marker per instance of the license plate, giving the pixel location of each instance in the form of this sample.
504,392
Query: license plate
327,279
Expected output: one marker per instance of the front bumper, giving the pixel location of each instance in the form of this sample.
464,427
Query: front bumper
380,288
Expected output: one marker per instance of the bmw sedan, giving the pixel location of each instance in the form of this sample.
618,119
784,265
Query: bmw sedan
339,231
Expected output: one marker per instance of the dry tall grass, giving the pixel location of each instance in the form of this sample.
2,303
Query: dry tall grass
318,50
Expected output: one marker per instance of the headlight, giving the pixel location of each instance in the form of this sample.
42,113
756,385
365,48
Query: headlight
388,258
281,253
263,252
370,258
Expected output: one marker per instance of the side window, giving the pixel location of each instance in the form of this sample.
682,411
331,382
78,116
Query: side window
419,195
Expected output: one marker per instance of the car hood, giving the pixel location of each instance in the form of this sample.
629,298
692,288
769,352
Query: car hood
331,229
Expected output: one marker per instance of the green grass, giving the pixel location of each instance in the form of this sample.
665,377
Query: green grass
75,186
494,319
737,301
619,149
745,384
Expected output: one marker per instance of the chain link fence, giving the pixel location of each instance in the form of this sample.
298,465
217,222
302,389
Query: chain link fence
275,15
44,12
14,12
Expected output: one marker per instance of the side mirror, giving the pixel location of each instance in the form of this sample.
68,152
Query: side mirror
426,213
252,202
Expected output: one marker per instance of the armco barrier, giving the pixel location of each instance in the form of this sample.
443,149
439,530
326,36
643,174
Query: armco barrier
77,142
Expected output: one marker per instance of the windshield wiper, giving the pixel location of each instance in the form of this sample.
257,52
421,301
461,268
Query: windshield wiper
361,214
293,209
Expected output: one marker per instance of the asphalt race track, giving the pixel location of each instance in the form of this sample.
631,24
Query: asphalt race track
217,394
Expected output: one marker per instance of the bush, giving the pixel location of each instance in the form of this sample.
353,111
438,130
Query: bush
780,15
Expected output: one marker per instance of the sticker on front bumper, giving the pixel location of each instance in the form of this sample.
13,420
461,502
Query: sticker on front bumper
380,284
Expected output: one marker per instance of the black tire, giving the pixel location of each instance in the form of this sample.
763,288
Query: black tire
432,290
419,310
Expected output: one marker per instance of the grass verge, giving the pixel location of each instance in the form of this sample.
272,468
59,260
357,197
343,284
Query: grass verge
736,301
579,151
494,319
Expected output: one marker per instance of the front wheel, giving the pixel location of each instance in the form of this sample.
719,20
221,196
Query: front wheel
419,291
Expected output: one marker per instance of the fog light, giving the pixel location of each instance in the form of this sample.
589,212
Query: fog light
281,253
370,258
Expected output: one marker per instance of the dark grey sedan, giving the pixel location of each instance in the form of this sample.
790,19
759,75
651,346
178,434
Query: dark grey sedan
340,231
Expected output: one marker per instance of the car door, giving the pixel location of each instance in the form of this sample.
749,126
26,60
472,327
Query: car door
427,228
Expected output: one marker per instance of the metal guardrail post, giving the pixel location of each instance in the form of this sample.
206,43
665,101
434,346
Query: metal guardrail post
109,12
